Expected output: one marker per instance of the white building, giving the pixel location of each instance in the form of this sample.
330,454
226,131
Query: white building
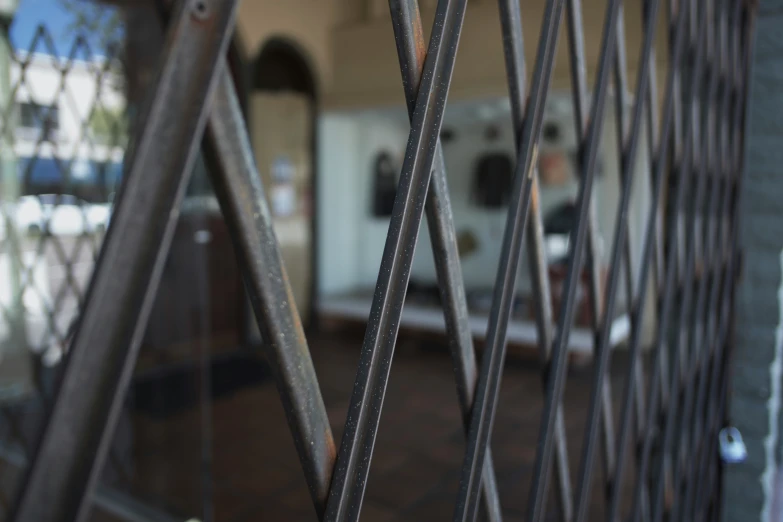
59,118
67,111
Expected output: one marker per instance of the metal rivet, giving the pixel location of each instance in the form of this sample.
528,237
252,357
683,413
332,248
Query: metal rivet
200,9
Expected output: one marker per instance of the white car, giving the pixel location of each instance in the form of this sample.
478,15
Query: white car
60,215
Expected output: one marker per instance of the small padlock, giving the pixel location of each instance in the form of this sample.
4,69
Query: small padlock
732,448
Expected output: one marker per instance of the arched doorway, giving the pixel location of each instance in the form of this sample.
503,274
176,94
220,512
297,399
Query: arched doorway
281,109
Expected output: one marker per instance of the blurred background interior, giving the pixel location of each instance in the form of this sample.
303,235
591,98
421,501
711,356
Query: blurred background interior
203,433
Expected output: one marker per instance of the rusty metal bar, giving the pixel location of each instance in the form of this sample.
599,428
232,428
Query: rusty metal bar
657,379
513,47
502,299
77,436
620,254
581,233
409,37
355,455
240,191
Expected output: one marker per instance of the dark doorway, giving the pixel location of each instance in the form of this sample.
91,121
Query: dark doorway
280,66
281,108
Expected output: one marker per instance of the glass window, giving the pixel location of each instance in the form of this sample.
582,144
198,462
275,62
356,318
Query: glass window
39,118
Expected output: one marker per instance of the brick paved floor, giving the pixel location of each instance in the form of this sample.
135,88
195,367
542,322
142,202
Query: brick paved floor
415,469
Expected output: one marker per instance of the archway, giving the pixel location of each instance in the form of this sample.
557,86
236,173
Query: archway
281,109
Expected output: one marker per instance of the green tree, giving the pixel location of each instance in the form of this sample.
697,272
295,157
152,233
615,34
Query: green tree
109,126
100,23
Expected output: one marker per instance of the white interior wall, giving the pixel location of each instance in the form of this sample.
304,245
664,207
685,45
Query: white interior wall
487,225
376,134
352,240
337,204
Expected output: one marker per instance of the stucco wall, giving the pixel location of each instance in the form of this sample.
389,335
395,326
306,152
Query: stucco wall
754,405
306,23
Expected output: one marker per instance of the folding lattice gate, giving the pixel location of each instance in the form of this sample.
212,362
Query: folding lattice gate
671,417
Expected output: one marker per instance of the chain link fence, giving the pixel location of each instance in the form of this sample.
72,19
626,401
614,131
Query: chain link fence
63,135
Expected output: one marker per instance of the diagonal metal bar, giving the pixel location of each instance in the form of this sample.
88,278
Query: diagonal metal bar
669,286
108,499
589,152
78,433
651,114
714,266
240,192
699,177
633,395
729,168
513,47
709,458
675,9
502,299
710,345
409,37
712,263
353,461
578,67
710,360
652,146
740,74
620,252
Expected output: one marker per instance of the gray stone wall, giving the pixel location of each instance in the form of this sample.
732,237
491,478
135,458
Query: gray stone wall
754,404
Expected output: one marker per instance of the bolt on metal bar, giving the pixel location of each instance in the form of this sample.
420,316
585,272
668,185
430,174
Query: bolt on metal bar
406,21
516,220
708,358
353,461
711,501
240,192
120,298
589,152
669,286
710,457
705,459
513,47
619,250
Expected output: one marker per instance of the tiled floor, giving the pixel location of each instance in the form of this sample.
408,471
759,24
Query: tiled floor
416,464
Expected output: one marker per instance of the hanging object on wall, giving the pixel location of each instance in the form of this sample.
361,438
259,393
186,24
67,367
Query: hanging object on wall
283,191
492,133
282,169
447,135
385,185
283,200
492,180
553,168
467,243
552,133
599,164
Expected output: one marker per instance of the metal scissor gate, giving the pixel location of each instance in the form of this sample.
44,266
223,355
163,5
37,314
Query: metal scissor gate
674,399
